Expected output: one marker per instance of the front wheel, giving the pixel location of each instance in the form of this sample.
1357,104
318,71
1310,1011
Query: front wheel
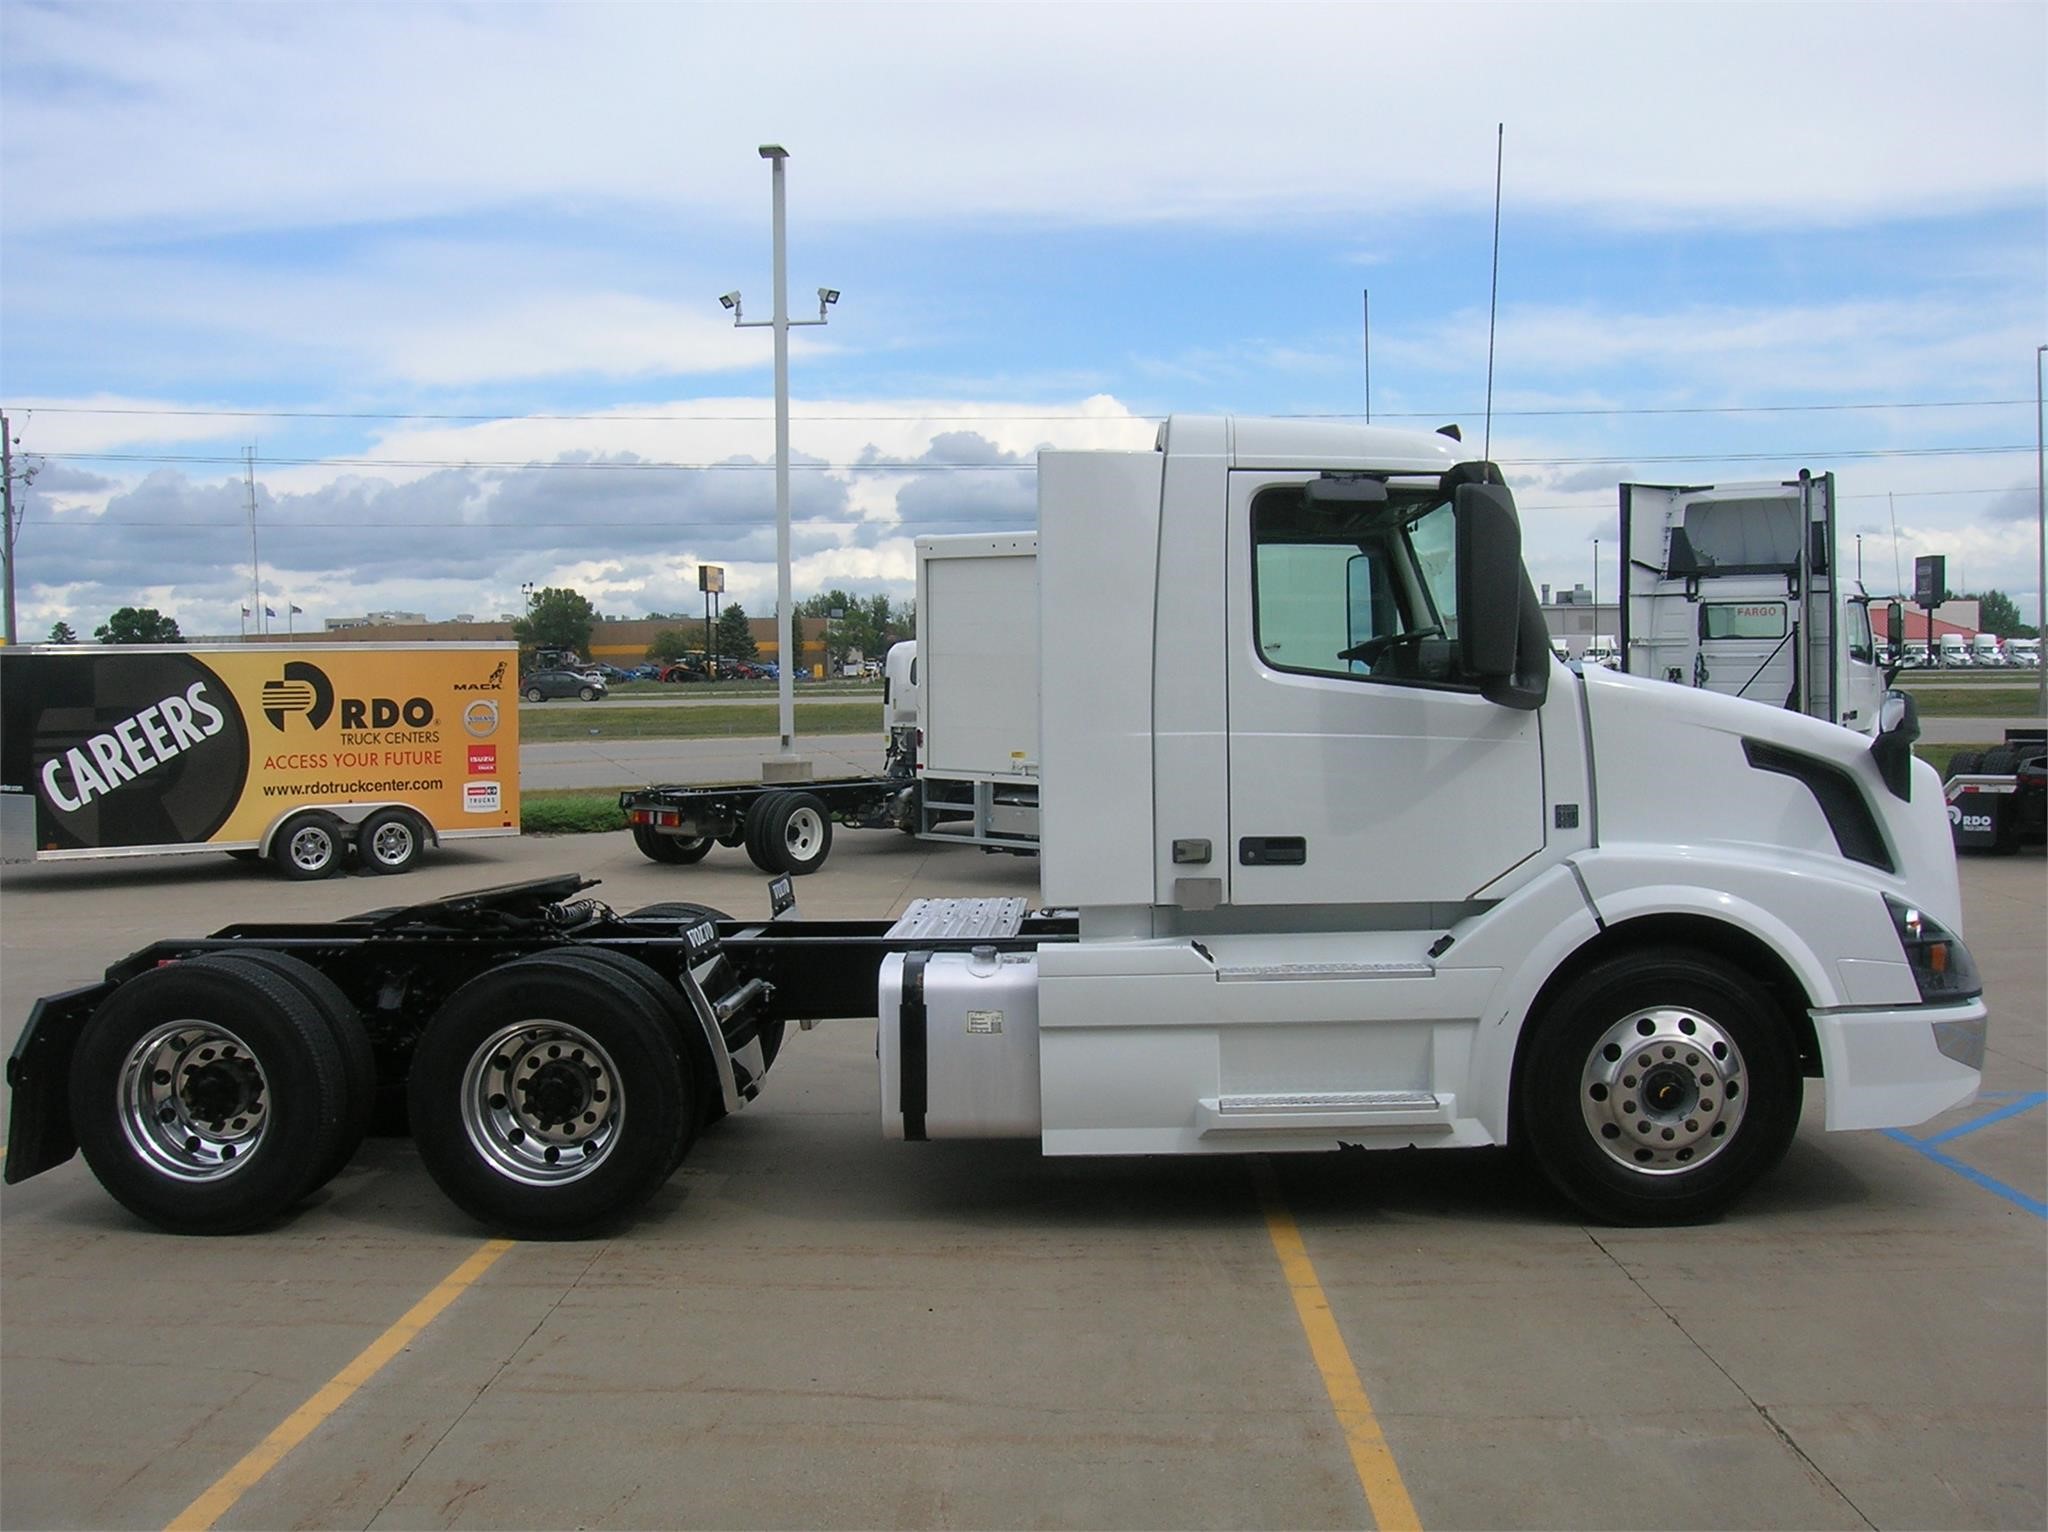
587,693
1658,1086
535,694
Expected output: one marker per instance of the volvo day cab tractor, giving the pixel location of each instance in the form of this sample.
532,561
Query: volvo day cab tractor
1338,854
1733,588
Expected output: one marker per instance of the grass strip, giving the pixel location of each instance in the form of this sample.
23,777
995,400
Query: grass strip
612,720
1974,701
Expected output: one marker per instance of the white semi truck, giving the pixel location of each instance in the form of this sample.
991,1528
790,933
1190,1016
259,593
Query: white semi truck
1735,588
1339,854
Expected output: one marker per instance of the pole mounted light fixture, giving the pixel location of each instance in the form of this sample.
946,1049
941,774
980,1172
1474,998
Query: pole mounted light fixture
781,324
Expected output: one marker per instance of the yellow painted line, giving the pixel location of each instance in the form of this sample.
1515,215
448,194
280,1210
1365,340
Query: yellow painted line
1371,1458
302,1422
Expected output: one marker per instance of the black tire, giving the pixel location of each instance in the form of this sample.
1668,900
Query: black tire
2001,762
345,1023
796,834
535,694
750,831
206,1096
587,693
678,909
569,1158
686,1032
307,846
1965,763
1720,1049
671,850
390,841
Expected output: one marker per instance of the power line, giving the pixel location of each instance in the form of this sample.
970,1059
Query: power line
184,412
886,465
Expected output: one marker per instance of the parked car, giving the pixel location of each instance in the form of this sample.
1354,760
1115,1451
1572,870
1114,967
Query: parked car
682,670
539,685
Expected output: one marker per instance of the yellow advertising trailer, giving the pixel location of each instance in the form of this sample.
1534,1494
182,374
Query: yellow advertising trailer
305,755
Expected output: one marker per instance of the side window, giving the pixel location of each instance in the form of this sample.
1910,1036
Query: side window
1355,591
1862,643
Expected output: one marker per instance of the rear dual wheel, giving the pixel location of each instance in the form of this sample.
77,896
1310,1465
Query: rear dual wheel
789,832
673,850
210,1095
550,1098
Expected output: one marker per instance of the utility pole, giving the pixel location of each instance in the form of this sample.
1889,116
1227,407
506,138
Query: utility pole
786,767
255,568
7,505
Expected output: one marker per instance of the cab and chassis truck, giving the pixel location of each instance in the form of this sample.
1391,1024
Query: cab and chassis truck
1338,854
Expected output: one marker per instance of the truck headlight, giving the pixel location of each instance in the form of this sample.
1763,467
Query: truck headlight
1941,964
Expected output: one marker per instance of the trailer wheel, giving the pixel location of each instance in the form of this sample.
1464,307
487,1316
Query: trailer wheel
549,1100
796,833
206,1096
345,1023
673,850
390,841
1657,1086
307,847
2002,761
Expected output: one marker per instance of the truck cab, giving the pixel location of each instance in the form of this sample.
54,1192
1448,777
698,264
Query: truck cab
1733,588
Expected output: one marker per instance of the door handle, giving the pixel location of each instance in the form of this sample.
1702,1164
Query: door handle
1272,851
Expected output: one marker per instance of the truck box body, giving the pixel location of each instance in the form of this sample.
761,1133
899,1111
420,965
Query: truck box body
977,650
132,750
1734,588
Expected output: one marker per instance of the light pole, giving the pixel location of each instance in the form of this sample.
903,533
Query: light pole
786,766
2040,537
1596,593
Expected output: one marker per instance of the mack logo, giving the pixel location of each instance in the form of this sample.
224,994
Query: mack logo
304,689
489,683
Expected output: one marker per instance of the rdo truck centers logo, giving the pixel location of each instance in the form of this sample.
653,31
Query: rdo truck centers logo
305,688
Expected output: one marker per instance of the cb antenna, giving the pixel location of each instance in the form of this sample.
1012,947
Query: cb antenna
1493,303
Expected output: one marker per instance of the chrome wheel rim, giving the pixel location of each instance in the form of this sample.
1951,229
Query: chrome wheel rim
194,1100
393,843
1663,1091
541,1102
311,849
804,834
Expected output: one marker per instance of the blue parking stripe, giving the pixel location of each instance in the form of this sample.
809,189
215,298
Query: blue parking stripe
1971,1173
2025,1103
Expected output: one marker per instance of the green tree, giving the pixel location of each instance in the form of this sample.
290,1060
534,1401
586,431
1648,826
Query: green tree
139,625
60,633
671,644
556,618
735,637
1996,613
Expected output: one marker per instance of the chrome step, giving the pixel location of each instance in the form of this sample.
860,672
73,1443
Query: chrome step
1366,1110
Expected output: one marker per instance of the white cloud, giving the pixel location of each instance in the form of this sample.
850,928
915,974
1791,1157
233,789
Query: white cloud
1647,113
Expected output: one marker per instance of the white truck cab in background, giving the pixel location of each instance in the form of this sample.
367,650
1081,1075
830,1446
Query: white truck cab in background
1357,862
1985,649
1734,588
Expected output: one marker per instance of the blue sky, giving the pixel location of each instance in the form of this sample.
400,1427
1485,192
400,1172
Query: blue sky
1737,241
